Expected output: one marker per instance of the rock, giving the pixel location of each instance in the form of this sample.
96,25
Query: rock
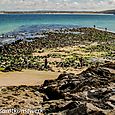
75,108
34,103
109,65
16,106
89,86
11,88
99,72
16,93
69,86
16,69
37,93
21,102
53,93
102,72
67,94
4,102
112,100
27,95
95,94
103,105
71,105
96,113
99,94
45,98
77,98
79,86
3,89
7,69
47,82
61,76
22,87
9,97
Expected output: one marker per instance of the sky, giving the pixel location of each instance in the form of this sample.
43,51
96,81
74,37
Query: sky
71,5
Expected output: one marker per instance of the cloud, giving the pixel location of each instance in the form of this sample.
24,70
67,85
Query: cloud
57,4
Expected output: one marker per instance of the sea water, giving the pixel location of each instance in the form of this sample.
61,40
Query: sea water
31,22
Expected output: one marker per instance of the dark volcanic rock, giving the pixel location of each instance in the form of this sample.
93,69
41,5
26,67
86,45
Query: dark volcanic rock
99,94
69,86
75,108
66,76
91,86
96,72
47,82
53,93
89,93
96,113
104,106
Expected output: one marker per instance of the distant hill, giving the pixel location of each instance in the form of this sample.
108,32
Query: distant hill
57,12
109,12
46,12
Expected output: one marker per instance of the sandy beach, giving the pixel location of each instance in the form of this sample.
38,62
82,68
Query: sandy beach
30,77
26,77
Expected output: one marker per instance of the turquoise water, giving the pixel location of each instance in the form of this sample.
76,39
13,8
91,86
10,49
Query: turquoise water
10,22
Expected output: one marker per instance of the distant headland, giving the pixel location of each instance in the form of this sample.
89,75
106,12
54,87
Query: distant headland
58,12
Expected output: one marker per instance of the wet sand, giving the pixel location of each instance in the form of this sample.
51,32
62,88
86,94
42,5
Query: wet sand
26,77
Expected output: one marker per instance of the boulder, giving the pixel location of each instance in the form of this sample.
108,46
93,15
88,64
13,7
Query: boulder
96,113
47,82
69,86
53,93
75,108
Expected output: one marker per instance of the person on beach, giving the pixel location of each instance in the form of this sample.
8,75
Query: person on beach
105,29
46,63
94,26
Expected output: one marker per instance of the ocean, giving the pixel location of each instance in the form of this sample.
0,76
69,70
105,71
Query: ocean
13,22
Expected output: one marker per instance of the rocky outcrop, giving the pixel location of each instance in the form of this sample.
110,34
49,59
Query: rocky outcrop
92,86
90,93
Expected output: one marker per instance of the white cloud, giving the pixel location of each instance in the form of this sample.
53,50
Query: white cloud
57,4
76,3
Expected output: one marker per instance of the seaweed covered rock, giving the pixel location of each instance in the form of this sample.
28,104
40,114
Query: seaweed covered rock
10,68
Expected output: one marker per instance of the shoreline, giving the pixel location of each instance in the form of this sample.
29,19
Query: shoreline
62,13
53,29
102,29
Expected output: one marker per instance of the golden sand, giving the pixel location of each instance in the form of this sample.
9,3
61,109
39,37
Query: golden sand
26,77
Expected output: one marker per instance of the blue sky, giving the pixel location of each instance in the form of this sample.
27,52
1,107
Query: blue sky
86,5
